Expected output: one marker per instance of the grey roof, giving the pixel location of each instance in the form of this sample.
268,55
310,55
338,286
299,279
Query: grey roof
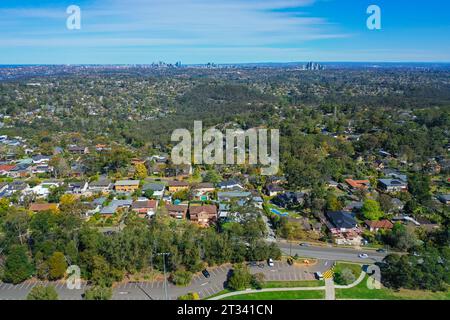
233,194
392,182
229,183
342,219
102,183
127,182
114,205
153,186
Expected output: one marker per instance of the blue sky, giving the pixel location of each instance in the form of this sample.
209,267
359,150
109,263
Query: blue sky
222,31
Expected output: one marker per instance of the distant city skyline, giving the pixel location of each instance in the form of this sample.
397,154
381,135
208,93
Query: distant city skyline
223,32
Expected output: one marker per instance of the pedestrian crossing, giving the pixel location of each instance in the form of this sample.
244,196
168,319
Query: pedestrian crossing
329,274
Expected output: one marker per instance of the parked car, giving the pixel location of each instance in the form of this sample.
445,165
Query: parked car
304,244
270,262
318,275
206,273
363,255
382,250
253,264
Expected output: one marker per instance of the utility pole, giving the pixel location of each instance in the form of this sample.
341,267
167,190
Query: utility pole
164,254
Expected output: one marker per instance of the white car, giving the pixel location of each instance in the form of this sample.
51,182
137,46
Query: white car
363,255
270,262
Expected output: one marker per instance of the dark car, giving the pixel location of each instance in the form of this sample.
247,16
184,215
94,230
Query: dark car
382,250
253,264
206,273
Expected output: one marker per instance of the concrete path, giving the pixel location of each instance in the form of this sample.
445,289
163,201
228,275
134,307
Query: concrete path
236,293
329,289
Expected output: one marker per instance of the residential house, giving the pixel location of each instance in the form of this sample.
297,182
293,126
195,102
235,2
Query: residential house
40,207
273,190
115,205
258,202
73,149
126,185
145,207
77,187
344,228
43,189
224,210
177,211
102,185
203,215
375,226
230,185
289,199
202,190
5,169
175,186
358,184
228,196
392,185
40,159
332,184
19,187
157,188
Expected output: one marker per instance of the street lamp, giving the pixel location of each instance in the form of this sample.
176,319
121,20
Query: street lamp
164,254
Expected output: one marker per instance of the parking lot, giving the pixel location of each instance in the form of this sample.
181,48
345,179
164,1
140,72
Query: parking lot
205,287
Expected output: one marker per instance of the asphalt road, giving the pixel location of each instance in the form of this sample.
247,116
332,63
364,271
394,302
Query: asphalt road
331,253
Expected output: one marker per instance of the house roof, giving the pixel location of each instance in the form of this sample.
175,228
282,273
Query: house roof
228,183
342,219
382,224
393,182
100,183
114,205
274,187
176,208
204,185
209,209
127,183
358,184
150,204
154,187
175,183
234,194
7,167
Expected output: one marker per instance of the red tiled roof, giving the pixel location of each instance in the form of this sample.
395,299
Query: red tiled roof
7,167
357,183
382,224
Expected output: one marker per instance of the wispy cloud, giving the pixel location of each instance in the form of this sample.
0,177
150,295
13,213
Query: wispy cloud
159,22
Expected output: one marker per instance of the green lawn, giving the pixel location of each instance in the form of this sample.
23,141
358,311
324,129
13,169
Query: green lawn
281,295
292,284
362,292
355,268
